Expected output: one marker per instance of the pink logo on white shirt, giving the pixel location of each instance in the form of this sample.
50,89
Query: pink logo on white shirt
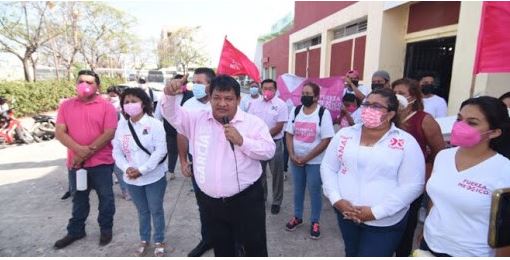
397,143
474,187
305,131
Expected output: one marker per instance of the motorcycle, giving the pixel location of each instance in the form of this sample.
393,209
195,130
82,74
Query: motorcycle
11,130
43,128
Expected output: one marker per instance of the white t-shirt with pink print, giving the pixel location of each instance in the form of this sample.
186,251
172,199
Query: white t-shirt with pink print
307,132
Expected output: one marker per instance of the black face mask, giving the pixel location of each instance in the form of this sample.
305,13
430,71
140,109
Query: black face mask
355,82
306,100
376,86
427,89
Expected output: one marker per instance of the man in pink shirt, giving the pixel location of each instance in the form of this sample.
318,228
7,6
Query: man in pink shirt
228,145
85,125
274,112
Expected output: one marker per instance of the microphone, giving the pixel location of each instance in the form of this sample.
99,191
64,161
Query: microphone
226,121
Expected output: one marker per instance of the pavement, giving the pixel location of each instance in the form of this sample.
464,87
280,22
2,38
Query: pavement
34,177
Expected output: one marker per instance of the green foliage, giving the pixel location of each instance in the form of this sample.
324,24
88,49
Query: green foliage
30,98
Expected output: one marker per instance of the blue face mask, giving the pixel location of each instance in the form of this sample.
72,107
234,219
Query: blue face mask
199,91
254,91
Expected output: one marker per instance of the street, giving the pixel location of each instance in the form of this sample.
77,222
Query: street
33,178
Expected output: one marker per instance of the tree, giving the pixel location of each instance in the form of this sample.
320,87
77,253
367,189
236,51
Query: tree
105,32
24,28
63,49
181,49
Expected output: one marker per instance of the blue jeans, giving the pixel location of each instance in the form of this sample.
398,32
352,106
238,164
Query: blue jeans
148,200
100,179
118,172
370,241
303,176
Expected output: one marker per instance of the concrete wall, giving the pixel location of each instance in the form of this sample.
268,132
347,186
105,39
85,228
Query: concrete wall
465,50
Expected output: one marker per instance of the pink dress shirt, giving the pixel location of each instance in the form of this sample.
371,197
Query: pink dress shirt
85,122
214,165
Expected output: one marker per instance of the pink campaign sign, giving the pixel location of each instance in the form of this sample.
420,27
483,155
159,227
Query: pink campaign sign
332,89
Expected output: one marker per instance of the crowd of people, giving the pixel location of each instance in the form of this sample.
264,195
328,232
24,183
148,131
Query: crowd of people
377,163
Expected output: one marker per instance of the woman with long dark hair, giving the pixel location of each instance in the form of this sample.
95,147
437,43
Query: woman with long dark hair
464,178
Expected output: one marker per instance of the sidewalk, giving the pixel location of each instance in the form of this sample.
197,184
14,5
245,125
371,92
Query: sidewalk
33,178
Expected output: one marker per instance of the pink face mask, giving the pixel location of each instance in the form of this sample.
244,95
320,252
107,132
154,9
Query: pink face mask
133,109
84,90
351,109
464,135
371,117
268,95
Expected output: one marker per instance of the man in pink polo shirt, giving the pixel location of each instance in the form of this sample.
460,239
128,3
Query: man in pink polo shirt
85,125
227,145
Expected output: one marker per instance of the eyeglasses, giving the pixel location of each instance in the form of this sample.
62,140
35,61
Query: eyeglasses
374,106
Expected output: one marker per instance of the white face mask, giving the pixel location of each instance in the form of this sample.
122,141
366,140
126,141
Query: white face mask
402,100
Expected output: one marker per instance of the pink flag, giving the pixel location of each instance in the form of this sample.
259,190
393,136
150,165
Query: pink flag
493,50
233,62
332,89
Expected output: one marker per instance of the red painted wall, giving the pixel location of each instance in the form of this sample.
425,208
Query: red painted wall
359,54
309,12
341,53
276,51
428,15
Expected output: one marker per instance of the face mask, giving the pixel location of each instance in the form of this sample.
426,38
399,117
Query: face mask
254,91
268,95
133,109
85,90
464,135
402,100
355,82
376,86
306,100
114,99
372,118
351,108
427,89
199,91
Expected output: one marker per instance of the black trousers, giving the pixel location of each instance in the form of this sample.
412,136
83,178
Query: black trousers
240,219
171,147
406,244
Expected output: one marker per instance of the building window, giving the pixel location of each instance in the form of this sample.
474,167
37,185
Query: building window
308,43
273,72
350,29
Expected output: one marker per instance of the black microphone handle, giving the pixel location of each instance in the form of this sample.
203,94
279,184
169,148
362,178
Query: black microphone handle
225,121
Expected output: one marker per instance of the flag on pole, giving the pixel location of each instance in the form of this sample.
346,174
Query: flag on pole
493,49
233,62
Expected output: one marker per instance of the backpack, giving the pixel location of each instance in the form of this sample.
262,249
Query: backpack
298,109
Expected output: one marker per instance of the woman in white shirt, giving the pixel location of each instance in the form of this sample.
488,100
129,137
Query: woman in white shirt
307,136
143,165
371,173
464,178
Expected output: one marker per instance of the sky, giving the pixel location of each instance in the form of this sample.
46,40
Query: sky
241,21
